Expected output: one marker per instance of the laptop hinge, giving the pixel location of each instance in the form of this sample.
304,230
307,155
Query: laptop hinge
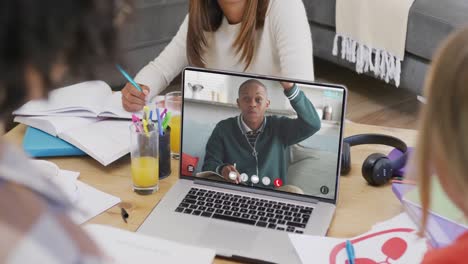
276,194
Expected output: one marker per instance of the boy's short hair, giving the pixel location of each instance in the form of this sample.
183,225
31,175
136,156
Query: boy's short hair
250,82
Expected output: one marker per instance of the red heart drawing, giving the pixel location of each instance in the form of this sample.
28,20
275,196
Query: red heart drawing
394,248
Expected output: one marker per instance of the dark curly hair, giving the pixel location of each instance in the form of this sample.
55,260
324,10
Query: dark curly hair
79,34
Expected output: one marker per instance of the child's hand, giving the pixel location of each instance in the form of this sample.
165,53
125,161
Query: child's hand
287,85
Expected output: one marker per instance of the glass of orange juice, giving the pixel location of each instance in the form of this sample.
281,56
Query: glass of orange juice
173,103
144,152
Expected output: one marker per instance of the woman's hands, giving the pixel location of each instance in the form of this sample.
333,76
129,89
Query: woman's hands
132,99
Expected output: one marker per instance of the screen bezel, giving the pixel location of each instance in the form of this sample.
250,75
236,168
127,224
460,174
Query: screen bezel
270,78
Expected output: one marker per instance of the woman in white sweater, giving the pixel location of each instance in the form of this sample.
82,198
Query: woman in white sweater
270,37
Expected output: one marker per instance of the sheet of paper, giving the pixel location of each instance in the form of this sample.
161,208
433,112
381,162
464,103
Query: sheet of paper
63,181
105,141
127,247
88,201
402,220
393,242
72,175
91,202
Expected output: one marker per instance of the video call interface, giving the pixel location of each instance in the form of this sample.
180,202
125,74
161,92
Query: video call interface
262,133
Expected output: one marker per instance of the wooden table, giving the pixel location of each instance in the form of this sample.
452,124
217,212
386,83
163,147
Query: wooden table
359,205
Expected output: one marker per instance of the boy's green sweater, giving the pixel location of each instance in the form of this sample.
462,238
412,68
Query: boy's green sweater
228,143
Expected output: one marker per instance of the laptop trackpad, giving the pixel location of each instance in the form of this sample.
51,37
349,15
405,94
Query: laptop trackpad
220,235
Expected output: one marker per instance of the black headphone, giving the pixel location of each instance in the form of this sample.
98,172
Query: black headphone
377,169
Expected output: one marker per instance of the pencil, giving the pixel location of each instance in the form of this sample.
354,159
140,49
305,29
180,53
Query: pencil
129,79
124,214
163,113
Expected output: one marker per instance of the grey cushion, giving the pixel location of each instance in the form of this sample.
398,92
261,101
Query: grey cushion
149,29
321,11
430,21
153,22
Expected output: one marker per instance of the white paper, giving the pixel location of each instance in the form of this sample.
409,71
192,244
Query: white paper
127,247
91,202
88,202
401,220
63,180
72,175
105,141
398,233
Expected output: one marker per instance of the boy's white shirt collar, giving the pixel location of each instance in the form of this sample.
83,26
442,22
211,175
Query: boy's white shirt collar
247,129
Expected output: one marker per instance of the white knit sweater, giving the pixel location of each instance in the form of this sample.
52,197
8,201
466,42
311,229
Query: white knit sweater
284,49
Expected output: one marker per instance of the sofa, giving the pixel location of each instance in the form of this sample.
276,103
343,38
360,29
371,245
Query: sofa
429,23
145,34
155,22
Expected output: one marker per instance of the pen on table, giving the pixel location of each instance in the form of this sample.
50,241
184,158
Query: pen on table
129,78
350,251
159,122
124,214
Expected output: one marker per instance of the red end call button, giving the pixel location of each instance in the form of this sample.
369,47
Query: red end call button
278,182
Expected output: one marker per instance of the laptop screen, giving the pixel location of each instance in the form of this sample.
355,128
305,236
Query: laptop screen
262,132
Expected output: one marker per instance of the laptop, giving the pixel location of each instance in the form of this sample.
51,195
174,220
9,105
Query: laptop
260,159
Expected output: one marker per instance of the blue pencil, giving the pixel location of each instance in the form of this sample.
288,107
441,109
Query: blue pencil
130,79
159,122
350,252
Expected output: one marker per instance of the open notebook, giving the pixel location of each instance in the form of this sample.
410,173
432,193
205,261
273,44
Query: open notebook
87,99
104,140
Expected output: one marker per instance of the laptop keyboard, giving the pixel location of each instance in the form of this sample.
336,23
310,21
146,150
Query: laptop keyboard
247,210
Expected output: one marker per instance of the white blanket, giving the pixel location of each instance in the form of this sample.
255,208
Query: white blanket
373,35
